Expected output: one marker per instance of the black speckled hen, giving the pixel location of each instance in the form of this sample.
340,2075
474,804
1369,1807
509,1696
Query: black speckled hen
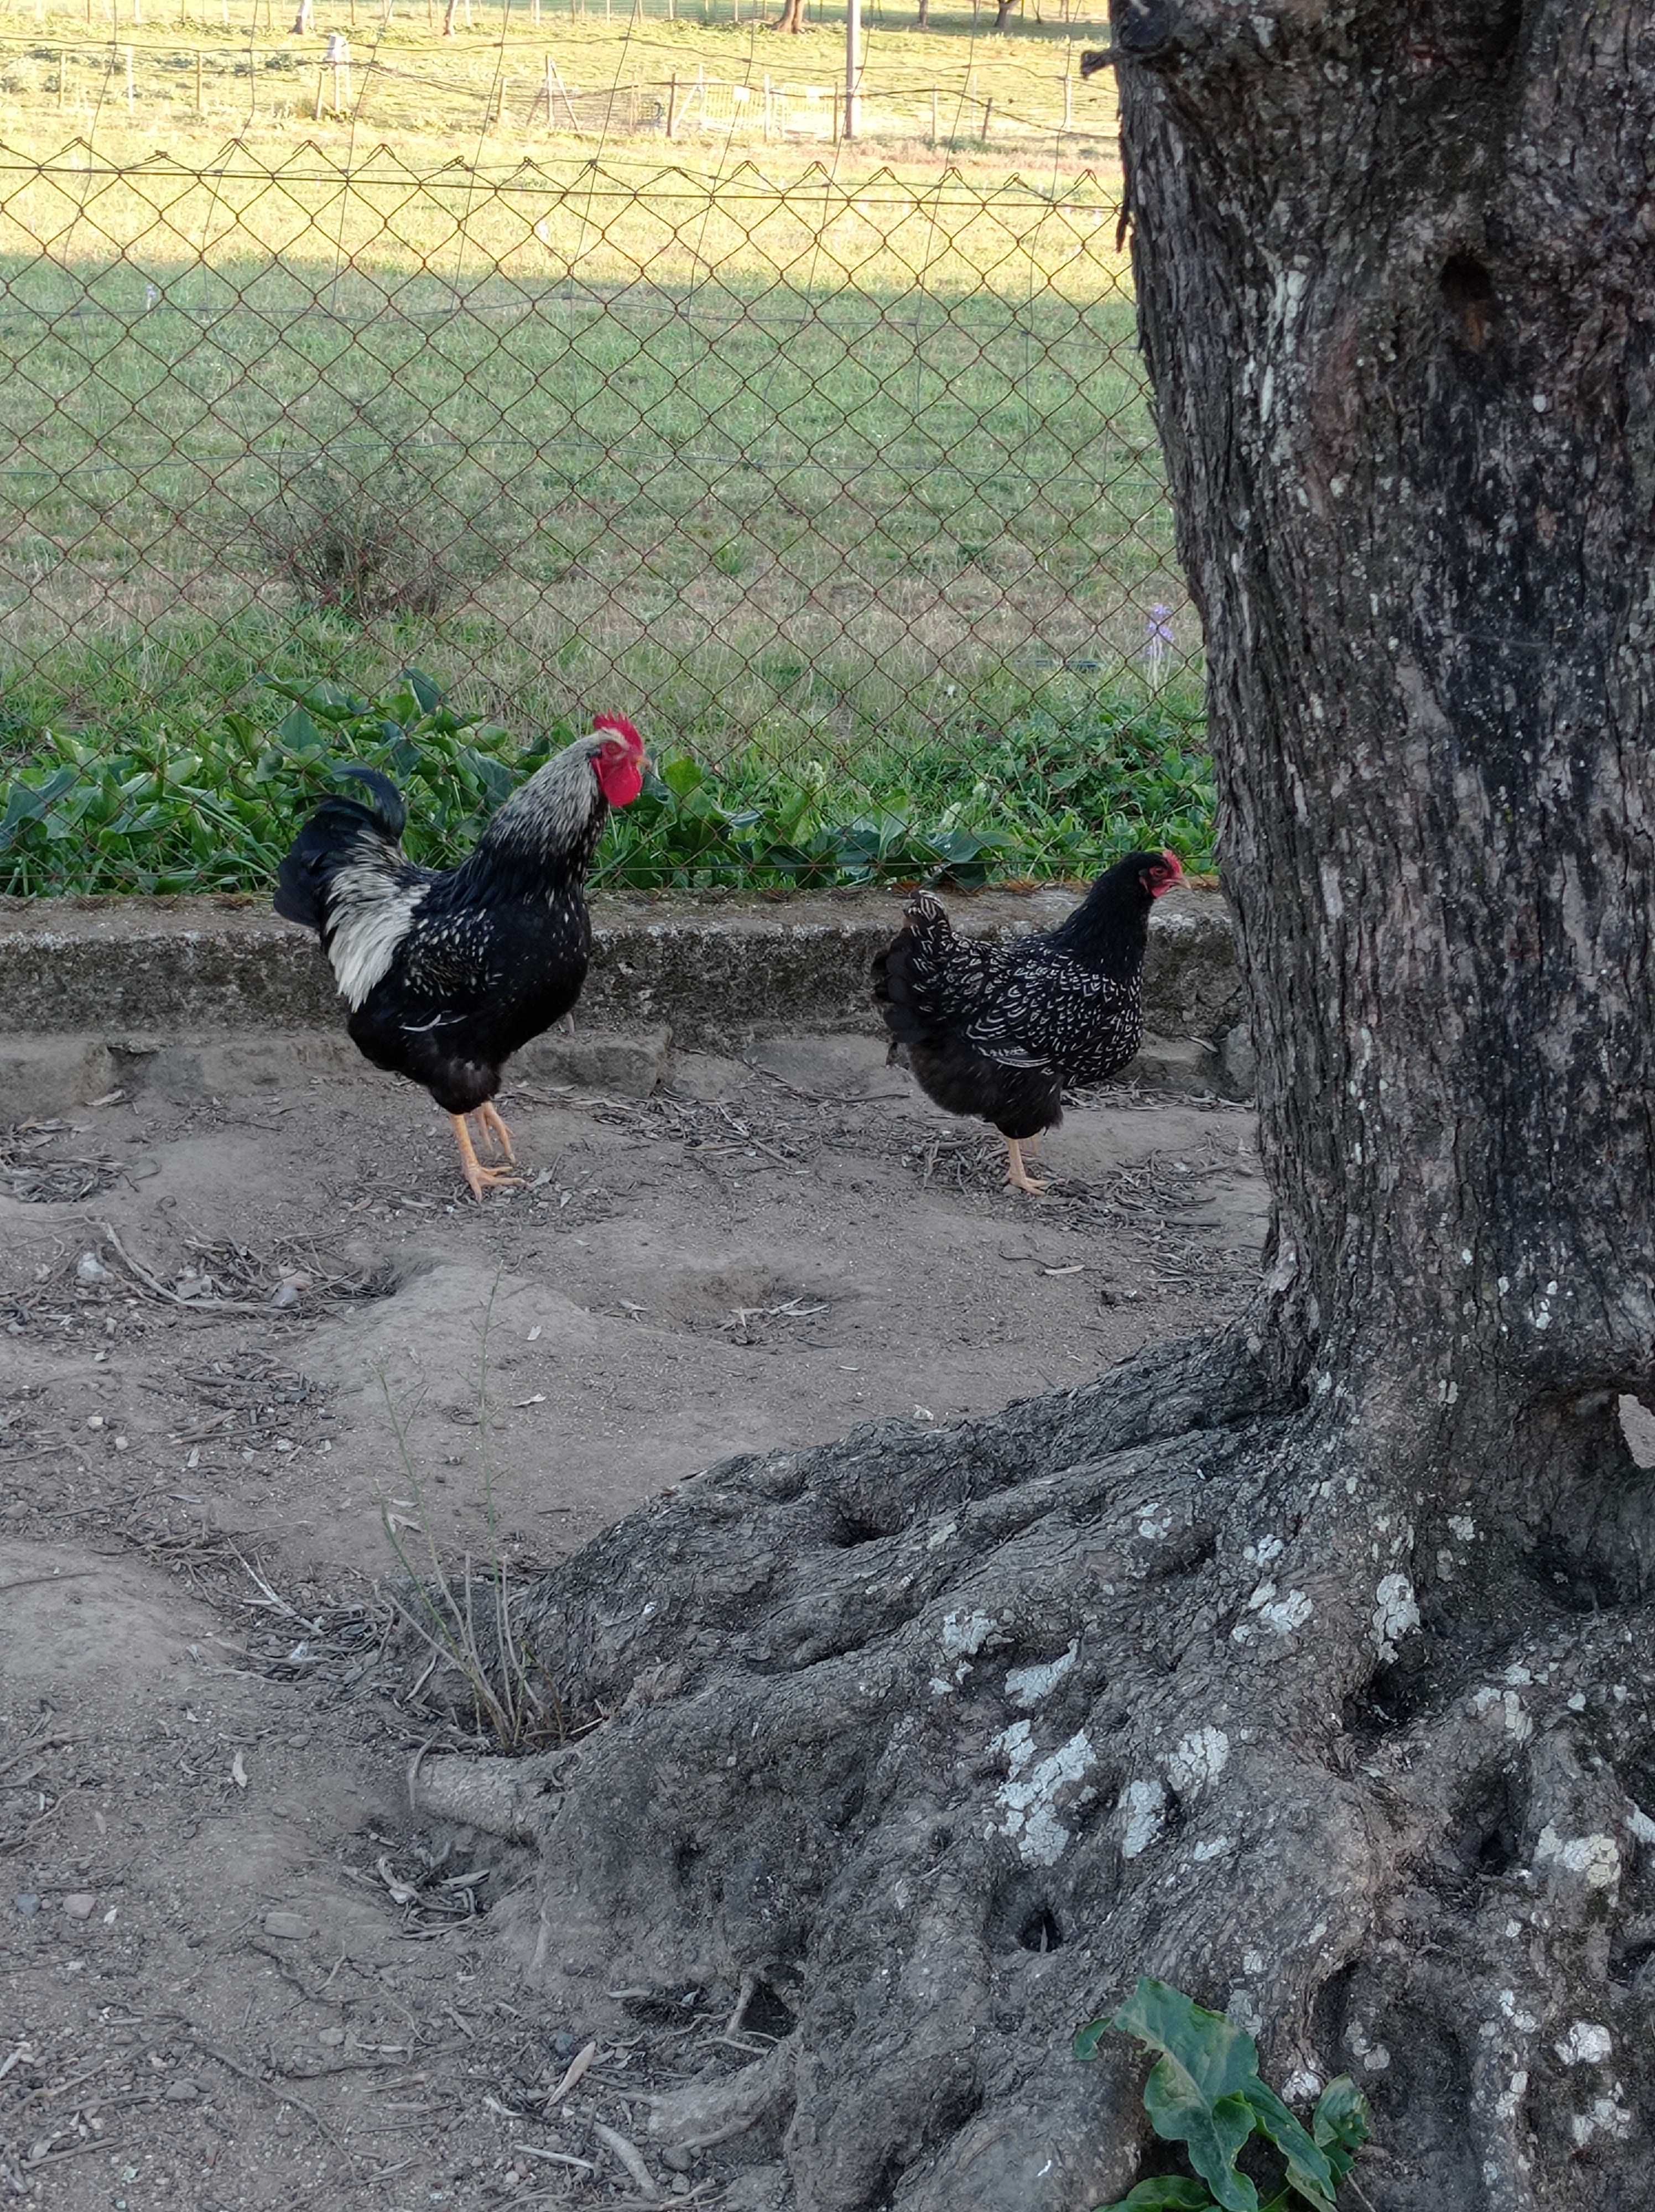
998,1030
448,972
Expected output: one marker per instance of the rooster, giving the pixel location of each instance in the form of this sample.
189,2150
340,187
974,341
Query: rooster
447,973
998,1030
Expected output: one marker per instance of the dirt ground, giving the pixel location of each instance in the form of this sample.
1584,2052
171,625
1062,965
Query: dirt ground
254,1345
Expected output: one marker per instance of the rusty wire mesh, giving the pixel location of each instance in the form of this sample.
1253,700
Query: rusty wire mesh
847,491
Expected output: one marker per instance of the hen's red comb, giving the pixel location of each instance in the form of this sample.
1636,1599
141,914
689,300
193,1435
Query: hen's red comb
622,728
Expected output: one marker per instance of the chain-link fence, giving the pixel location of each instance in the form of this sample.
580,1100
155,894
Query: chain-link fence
847,492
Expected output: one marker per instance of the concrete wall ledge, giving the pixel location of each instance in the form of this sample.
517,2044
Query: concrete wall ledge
717,973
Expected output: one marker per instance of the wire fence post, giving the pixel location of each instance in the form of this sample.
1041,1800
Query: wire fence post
853,63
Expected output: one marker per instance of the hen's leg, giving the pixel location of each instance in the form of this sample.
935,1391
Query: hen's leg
496,1129
477,1177
1016,1174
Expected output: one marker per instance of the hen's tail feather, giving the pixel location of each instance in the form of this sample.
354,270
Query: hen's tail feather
342,831
905,971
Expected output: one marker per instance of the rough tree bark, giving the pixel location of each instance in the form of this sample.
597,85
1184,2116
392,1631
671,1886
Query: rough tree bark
1311,1669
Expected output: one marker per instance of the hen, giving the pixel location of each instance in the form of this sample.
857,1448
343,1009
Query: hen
448,972
998,1030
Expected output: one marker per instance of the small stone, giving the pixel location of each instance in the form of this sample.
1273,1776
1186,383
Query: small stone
285,1296
565,2045
80,1905
332,2037
27,1903
674,2159
287,1925
89,1268
182,2091
95,1420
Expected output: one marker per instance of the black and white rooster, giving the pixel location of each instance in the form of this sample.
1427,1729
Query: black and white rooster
998,1030
447,973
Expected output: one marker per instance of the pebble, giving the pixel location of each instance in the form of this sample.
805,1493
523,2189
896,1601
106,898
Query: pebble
182,2092
332,2037
289,1925
95,1420
674,2159
565,2045
28,1905
283,1296
80,1905
88,1268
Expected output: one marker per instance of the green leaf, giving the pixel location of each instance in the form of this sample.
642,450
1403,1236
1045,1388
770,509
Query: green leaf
1309,2169
1167,2192
423,689
1090,2040
1341,2123
1195,2094
299,733
1219,2058
681,776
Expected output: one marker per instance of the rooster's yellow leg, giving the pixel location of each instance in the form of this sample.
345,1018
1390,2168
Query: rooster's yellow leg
1016,1174
477,1177
496,1129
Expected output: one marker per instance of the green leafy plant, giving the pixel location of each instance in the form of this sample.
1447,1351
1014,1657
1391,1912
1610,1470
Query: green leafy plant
1204,2092
212,805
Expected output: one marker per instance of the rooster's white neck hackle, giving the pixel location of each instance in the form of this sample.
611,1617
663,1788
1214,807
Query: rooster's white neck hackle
556,808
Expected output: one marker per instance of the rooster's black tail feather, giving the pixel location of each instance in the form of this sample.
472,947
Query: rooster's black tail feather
335,835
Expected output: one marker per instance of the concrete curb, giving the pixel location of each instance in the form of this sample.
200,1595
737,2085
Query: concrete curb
116,978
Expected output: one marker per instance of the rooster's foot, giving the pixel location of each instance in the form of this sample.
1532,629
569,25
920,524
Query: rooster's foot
496,1130
1016,1175
477,1177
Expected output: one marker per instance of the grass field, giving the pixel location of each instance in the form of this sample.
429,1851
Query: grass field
815,465
237,64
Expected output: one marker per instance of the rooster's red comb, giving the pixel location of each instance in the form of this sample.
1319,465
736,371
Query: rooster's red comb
622,728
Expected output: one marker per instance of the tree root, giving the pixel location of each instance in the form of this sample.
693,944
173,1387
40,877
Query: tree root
951,1736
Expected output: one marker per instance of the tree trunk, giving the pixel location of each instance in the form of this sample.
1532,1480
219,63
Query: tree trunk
792,17
1311,1669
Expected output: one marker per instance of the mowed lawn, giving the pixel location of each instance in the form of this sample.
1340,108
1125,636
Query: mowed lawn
729,450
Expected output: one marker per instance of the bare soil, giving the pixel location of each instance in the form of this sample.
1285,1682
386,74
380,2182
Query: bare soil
253,1346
